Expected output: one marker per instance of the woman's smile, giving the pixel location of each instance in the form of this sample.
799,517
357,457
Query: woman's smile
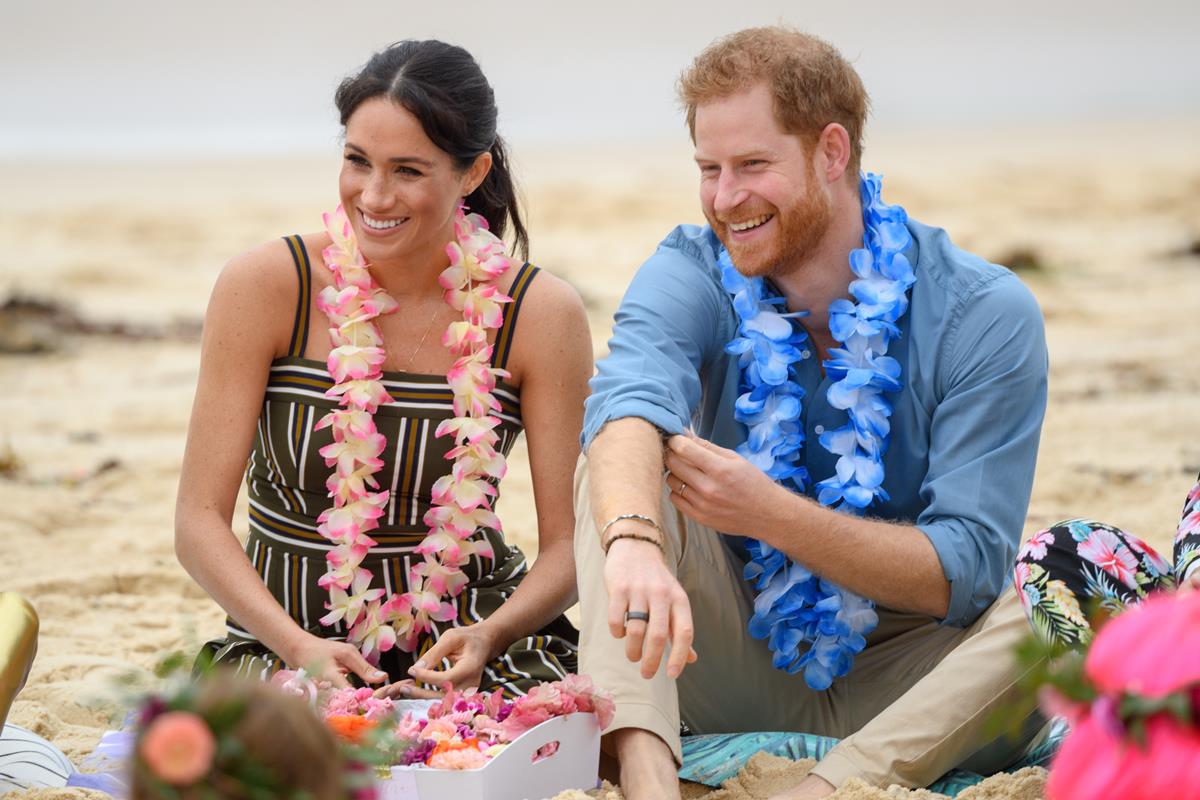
380,226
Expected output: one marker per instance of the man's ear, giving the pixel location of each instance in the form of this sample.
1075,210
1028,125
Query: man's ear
832,153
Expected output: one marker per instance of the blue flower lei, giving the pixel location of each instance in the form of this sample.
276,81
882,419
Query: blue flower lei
810,623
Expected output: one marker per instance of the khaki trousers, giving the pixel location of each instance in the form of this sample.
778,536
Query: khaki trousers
914,706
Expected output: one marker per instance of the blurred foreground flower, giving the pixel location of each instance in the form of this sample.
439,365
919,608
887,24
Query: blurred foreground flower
178,747
1133,703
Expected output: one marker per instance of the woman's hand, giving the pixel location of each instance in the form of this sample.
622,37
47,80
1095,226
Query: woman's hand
408,690
326,659
468,648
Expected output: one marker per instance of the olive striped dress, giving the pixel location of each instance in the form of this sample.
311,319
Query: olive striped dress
286,475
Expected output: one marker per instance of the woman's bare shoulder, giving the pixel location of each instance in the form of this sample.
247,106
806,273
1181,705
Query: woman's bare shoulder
256,293
270,268
552,328
550,298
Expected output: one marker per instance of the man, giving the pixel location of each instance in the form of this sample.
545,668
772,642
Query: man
776,117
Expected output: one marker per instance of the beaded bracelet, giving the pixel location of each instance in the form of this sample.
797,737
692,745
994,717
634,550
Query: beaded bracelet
639,537
607,543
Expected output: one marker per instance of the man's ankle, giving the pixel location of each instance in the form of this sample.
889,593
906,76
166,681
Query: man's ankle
810,788
648,770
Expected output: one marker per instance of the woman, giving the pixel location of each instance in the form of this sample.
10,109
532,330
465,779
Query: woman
361,513
1064,570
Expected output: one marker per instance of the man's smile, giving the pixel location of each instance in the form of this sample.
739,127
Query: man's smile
750,224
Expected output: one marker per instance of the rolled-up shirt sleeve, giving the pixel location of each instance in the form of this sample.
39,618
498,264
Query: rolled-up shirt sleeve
666,328
984,440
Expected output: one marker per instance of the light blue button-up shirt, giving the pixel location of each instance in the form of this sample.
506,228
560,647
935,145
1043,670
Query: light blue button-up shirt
966,424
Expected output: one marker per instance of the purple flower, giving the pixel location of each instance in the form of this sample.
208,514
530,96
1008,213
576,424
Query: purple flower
418,753
153,707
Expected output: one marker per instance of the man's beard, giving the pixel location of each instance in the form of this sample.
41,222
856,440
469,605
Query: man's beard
801,226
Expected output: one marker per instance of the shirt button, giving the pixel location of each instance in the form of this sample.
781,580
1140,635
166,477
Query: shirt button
818,429
805,354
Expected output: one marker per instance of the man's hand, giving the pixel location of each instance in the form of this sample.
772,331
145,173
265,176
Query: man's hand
719,488
639,581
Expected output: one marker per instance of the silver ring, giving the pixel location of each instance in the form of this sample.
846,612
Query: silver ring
644,616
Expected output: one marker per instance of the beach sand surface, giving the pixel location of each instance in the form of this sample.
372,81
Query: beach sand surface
93,419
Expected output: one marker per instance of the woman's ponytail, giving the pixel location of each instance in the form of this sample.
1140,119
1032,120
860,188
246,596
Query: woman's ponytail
496,201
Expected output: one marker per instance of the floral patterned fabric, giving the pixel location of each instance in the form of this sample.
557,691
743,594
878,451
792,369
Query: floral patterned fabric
1187,536
1065,569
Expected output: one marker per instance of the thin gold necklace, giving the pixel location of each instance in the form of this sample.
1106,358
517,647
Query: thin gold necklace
428,327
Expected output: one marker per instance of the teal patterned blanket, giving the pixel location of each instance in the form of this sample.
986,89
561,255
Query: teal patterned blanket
714,759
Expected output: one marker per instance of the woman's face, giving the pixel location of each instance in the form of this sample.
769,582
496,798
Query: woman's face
398,188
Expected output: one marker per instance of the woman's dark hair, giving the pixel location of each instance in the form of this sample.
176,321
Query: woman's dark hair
442,86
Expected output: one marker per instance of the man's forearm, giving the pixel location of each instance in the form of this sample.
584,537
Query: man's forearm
894,565
625,465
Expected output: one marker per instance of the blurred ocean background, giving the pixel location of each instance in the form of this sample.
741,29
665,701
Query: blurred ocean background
145,78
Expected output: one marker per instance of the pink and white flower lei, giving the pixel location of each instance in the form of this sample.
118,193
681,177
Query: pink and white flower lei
462,500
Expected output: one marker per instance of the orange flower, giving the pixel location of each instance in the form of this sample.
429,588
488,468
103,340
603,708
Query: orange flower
448,745
178,747
350,727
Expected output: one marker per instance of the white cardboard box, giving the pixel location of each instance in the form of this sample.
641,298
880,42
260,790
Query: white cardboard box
512,775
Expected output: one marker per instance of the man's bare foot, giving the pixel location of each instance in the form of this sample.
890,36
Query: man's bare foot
648,769
810,788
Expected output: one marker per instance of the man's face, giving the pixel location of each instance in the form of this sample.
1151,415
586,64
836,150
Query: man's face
758,187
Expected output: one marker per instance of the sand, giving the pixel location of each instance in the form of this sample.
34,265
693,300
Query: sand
765,775
92,426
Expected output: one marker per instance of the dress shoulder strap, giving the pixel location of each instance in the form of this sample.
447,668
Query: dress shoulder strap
504,336
304,300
